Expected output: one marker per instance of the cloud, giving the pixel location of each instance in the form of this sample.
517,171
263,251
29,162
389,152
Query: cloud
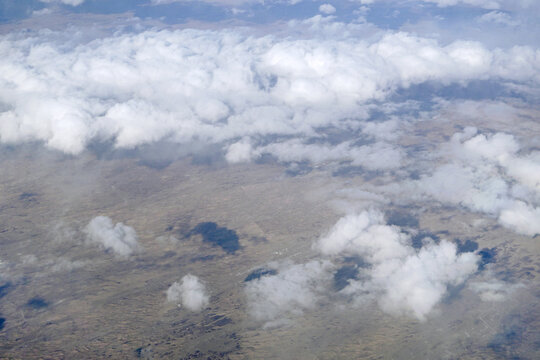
498,17
223,87
494,290
486,4
240,151
293,290
488,174
327,9
120,239
65,2
522,218
401,279
190,292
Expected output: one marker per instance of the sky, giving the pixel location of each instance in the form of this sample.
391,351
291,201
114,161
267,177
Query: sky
322,83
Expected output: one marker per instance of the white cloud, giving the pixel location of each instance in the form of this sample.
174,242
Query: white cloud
402,280
119,238
487,4
498,17
488,174
294,289
66,2
240,151
494,290
221,87
327,9
190,292
522,218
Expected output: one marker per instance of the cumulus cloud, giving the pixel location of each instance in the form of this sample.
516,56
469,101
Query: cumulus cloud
240,151
190,292
400,278
226,88
488,174
327,9
120,239
403,280
293,290
522,218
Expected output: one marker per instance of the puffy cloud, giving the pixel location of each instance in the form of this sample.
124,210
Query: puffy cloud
190,292
522,218
294,289
488,174
119,238
220,87
327,9
402,280
240,151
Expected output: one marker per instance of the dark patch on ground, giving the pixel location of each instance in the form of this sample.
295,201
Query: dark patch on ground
298,168
28,198
258,273
402,219
266,159
487,257
453,292
221,320
414,175
168,254
37,303
510,336
218,236
4,289
349,171
258,239
358,261
144,352
416,240
2,323
203,258
343,275
467,246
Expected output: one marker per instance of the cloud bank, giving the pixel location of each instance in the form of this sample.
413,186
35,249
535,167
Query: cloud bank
251,95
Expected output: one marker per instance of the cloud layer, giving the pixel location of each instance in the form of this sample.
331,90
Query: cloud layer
223,87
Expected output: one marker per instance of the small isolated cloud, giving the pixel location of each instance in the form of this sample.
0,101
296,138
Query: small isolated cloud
294,289
65,2
494,290
498,17
486,4
119,238
190,292
327,9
